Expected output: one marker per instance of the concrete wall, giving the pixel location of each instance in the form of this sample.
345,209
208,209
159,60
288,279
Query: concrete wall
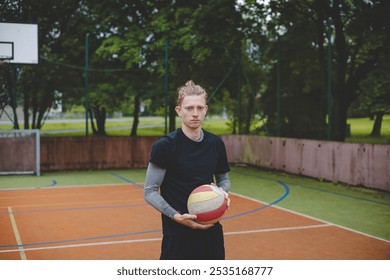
355,164
70,153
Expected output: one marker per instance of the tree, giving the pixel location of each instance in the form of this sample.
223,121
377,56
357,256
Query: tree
361,29
203,41
202,35
124,46
38,84
245,53
358,36
374,97
287,43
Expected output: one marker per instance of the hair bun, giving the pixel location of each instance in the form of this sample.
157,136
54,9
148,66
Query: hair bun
189,89
190,83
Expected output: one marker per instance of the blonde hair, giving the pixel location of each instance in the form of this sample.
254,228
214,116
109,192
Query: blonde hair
189,89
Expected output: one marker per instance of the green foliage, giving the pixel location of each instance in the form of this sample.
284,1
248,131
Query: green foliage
298,40
235,50
77,109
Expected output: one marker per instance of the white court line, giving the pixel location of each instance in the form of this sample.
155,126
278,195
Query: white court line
17,235
84,245
71,194
68,187
275,229
93,204
156,239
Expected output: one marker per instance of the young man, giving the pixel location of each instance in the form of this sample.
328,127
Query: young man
181,161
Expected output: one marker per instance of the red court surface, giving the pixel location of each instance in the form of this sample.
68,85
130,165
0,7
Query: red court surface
114,222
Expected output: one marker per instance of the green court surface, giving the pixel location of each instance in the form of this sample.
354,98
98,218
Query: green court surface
361,209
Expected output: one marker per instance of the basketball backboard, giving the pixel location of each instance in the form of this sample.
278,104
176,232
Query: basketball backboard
19,43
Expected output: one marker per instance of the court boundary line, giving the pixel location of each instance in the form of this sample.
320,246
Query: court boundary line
159,238
67,186
67,209
276,229
86,208
310,217
16,234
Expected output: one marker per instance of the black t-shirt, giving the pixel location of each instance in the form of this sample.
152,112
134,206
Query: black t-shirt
188,165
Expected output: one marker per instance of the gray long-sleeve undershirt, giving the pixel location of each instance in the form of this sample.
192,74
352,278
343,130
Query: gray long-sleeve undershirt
154,178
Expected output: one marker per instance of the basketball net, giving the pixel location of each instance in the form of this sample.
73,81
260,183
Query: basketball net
3,60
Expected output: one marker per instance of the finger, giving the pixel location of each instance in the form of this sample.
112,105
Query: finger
207,226
227,202
227,198
189,216
202,226
190,220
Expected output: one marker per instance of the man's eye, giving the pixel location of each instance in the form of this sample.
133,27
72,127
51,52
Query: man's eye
200,109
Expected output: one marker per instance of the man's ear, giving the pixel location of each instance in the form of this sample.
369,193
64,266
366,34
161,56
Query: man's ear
178,109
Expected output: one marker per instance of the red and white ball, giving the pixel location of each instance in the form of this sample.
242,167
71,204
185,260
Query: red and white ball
208,203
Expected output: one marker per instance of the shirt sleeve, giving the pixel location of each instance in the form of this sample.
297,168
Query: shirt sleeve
154,177
223,163
161,153
223,181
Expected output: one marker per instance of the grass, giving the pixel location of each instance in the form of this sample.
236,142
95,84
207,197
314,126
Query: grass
362,127
148,126
152,126
361,209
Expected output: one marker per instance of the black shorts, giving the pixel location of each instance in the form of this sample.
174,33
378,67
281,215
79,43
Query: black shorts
197,245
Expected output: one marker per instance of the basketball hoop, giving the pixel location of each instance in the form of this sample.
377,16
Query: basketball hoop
20,42
6,51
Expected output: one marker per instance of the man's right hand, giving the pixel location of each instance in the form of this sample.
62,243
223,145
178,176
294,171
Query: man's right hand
189,221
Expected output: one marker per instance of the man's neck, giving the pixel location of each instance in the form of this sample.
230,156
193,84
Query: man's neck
193,134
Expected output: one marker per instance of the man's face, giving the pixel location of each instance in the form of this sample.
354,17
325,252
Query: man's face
192,111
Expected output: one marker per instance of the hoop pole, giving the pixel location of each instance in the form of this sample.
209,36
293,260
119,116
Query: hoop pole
86,85
278,125
329,95
38,152
166,86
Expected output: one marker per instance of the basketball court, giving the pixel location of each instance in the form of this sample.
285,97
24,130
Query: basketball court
114,222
